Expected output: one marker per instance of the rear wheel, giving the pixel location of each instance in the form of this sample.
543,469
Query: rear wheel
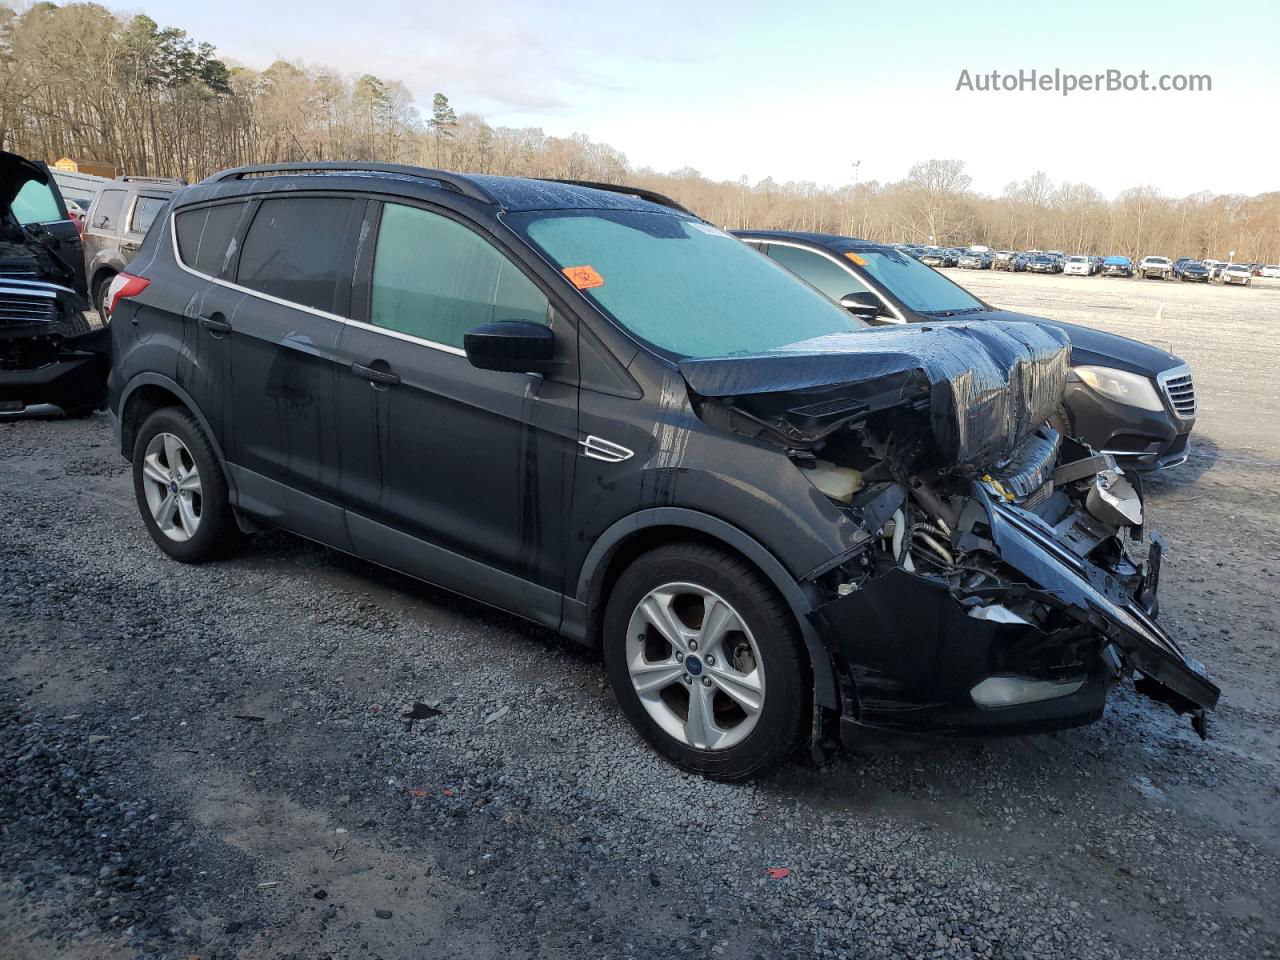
100,297
180,488
706,661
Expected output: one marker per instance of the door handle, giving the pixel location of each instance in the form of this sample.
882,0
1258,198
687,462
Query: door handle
374,375
215,325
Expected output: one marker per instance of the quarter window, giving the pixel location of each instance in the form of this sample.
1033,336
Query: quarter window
435,279
295,248
106,214
831,278
205,236
144,213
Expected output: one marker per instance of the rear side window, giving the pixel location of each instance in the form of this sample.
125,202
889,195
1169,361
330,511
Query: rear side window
106,214
35,203
205,236
295,247
831,278
435,279
145,210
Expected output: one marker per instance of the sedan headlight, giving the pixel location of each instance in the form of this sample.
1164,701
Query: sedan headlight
1132,389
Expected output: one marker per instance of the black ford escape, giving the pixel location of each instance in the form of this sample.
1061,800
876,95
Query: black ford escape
586,406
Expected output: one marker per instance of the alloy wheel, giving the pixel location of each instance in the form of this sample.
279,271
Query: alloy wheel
171,483
695,666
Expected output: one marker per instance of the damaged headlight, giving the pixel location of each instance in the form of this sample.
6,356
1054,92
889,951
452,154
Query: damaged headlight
1132,389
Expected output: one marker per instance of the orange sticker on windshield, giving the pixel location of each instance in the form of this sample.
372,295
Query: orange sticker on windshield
856,259
584,277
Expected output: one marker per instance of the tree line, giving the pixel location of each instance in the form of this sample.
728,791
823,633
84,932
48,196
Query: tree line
78,80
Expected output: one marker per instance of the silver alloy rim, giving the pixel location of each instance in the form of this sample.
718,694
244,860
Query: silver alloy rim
171,483
695,666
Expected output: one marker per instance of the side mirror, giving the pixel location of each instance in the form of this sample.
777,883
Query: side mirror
863,305
510,346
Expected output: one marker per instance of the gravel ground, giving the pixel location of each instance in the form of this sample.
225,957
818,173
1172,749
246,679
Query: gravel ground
217,761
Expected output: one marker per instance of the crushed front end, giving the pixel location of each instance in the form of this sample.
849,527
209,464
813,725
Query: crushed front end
991,588
49,351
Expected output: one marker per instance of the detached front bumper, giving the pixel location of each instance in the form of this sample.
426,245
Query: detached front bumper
917,656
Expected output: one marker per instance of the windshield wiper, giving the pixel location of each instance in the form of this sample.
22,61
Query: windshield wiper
951,313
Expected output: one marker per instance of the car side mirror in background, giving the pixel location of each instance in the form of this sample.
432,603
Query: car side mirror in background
510,346
863,305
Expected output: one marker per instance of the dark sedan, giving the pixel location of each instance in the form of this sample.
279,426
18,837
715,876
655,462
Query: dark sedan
1043,264
1193,270
1124,397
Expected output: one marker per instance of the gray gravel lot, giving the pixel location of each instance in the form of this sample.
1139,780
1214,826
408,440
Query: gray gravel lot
215,760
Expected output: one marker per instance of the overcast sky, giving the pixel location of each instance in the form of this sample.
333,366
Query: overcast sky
734,88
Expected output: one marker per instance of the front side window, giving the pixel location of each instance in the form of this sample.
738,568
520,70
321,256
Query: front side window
921,288
35,203
822,272
145,210
206,235
682,286
106,214
296,247
435,279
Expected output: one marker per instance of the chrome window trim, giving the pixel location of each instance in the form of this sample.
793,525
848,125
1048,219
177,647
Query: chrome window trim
898,317
359,324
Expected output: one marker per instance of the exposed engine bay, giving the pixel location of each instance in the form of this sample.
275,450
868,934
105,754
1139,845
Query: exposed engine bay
991,569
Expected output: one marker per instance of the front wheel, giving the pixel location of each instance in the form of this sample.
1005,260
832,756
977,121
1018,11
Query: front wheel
100,297
706,661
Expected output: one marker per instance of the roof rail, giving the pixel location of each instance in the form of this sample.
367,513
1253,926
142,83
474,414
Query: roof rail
652,196
178,180
451,181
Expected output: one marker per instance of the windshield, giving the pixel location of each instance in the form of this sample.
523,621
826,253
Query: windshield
682,286
1078,260
1157,260
921,288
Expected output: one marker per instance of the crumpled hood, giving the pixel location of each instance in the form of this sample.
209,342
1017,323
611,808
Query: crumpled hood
988,384
15,172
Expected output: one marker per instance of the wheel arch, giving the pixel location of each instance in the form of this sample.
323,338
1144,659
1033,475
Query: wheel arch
645,530
149,392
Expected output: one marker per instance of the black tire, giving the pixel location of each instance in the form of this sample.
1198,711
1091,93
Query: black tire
785,710
217,533
100,297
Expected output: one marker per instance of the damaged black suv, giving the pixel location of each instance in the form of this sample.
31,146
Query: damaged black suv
587,406
49,351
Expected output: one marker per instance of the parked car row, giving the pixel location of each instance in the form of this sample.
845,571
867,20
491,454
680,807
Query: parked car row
1053,261
755,472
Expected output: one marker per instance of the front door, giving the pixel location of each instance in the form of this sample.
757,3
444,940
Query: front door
455,475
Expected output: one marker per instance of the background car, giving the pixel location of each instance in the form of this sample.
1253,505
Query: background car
974,260
117,223
1237,274
1043,263
1193,271
1127,398
1155,268
1078,267
1270,270
1117,267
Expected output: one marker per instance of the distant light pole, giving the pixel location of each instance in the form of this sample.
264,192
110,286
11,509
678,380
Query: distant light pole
852,218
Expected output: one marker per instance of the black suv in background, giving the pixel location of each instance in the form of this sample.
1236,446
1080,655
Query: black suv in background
1123,397
118,219
49,352
591,408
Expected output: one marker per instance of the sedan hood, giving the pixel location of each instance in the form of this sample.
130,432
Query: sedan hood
1091,347
986,385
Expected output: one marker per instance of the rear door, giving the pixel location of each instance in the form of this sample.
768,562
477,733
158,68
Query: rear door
282,316
455,475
